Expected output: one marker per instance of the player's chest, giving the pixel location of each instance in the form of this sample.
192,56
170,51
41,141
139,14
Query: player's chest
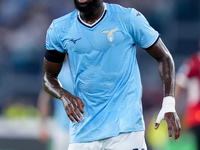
85,40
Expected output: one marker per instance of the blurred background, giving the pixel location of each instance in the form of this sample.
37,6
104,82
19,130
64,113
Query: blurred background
23,25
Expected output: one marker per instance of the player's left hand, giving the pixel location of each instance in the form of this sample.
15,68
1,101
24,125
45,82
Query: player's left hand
169,114
173,123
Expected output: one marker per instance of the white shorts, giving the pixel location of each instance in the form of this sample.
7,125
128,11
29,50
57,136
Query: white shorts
125,141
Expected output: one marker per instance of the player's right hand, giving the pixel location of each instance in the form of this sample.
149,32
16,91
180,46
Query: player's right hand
73,107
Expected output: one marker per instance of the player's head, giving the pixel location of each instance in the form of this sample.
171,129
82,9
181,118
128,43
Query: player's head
87,6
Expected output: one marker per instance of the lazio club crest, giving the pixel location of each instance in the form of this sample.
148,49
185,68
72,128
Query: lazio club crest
110,35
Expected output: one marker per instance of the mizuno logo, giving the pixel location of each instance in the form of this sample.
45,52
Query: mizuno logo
74,40
110,35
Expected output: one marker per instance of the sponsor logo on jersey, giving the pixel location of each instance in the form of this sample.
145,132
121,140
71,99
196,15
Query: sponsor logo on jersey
74,40
110,35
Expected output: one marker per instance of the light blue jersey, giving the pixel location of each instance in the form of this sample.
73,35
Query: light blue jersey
104,69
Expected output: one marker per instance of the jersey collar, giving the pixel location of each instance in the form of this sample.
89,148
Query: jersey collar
96,22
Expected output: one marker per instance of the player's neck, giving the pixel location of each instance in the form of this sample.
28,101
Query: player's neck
94,16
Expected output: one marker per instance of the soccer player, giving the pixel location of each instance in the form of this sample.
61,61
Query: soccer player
188,78
100,40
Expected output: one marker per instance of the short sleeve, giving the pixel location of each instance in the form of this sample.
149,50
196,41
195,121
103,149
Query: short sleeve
52,40
144,35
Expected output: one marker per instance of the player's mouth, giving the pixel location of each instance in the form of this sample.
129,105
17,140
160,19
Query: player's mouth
82,1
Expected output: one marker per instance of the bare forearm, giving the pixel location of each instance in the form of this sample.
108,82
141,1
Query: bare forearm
167,74
52,86
165,66
50,81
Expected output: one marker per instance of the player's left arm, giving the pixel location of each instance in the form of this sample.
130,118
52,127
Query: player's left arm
167,73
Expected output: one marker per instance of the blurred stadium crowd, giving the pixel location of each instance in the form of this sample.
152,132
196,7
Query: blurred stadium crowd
23,25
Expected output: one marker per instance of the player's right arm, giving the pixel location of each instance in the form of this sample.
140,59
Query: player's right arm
52,65
72,104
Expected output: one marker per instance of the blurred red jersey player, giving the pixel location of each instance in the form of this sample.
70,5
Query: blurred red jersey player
188,78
